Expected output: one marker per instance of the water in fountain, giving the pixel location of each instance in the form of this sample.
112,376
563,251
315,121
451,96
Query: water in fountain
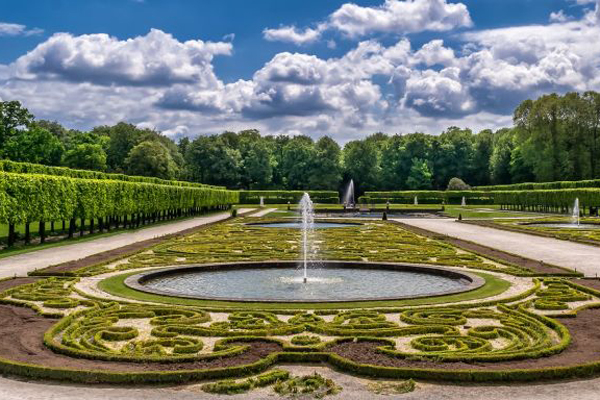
416,201
575,217
349,195
262,201
308,218
463,202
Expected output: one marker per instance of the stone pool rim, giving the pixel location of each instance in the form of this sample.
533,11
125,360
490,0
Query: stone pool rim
136,281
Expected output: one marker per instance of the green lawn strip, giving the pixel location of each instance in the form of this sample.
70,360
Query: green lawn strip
581,235
493,286
87,237
483,212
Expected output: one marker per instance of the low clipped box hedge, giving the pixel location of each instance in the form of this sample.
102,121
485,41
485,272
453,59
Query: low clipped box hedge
285,196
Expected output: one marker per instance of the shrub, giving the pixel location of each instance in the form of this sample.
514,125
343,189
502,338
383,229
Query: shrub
457,184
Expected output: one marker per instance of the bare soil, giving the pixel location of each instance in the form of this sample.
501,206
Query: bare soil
533,265
584,348
22,331
10,283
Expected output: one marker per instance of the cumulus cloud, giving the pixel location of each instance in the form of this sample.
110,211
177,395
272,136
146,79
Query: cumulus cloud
398,16
294,35
476,79
8,29
155,59
434,52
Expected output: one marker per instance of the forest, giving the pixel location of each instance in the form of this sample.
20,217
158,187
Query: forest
553,138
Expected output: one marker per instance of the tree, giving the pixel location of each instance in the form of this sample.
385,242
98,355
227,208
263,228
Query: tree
35,145
86,156
151,158
482,154
257,164
361,163
12,117
297,162
500,170
326,173
420,175
211,161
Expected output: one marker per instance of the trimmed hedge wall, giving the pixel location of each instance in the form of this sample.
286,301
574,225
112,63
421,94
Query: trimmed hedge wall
39,169
558,198
427,197
590,183
538,200
283,196
29,197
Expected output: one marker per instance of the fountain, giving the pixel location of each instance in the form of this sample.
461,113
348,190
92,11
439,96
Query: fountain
348,199
575,218
308,219
262,201
416,202
463,202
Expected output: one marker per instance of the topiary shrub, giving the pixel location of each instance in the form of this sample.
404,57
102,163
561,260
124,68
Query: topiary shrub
457,184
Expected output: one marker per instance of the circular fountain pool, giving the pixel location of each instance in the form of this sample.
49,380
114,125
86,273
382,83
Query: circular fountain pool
563,225
298,224
282,282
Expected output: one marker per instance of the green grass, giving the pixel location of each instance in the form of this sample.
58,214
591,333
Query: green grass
115,285
485,211
591,236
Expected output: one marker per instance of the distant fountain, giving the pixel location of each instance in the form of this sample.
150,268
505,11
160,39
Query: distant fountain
262,201
575,217
349,195
416,202
463,202
308,219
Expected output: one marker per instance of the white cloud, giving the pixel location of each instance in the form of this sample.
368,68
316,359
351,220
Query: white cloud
400,17
8,29
292,34
397,17
155,59
434,52
559,16
158,81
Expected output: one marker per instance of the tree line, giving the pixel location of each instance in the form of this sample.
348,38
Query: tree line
553,138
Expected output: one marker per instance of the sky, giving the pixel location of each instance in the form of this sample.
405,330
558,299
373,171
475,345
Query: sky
312,67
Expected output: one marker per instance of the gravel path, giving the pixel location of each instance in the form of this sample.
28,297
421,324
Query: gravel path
353,389
21,264
583,258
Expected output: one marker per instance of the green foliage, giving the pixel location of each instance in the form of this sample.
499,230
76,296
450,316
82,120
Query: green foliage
419,176
86,156
428,197
230,386
35,145
38,169
457,184
150,158
313,385
391,388
29,197
284,196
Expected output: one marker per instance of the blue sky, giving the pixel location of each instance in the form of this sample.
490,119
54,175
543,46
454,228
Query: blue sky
290,67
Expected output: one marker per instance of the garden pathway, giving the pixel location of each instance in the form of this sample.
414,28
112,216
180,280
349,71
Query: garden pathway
583,258
354,388
21,264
